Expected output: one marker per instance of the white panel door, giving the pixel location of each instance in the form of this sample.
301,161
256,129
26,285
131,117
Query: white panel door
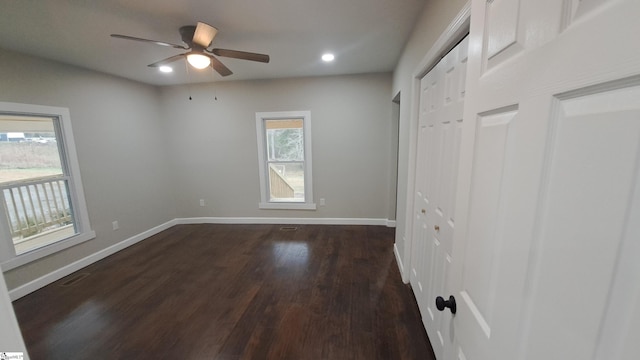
547,243
439,134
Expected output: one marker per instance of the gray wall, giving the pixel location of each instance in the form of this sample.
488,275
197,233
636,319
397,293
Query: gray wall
121,149
148,154
214,148
435,17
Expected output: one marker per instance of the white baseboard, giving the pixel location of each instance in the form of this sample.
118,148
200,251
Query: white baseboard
405,278
294,221
58,274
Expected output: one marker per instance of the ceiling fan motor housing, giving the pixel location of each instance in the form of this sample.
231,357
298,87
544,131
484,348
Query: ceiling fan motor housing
186,33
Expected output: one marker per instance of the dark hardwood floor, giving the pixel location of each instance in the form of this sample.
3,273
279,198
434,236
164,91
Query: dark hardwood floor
233,292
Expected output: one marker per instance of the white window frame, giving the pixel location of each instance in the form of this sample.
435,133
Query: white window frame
8,257
308,203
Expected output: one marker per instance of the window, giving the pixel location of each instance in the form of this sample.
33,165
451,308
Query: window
43,209
284,153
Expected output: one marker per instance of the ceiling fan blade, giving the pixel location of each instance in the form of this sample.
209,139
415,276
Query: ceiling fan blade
204,34
241,55
126,37
167,61
219,67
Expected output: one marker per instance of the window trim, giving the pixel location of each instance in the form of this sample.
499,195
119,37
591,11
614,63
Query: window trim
308,203
8,257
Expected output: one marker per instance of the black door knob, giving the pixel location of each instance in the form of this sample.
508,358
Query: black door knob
441,303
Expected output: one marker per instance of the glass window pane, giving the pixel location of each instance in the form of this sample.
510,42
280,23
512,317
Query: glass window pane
284,150
28,148
285,140
35,191
286,182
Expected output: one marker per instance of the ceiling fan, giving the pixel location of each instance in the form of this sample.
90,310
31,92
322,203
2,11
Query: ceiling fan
198,40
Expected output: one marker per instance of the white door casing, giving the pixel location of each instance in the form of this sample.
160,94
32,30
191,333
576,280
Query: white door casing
547,244
439,131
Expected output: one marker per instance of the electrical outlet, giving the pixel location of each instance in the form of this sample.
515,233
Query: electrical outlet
201,202
115,225
322,202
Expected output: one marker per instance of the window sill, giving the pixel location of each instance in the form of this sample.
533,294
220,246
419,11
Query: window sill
287,206
47,250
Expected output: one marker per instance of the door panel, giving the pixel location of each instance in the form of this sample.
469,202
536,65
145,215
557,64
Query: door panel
502,27
484,247
592,170
547,200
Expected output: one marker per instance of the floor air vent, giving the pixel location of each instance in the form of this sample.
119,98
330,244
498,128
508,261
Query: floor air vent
288,228
74,279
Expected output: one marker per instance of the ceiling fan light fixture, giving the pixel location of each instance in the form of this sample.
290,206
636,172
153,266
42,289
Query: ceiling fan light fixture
198,61
165,69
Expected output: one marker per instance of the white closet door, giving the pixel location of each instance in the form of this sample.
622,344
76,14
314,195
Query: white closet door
547,242
439,133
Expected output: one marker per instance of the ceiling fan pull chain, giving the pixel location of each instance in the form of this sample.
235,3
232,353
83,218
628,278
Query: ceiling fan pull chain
186,66
215,89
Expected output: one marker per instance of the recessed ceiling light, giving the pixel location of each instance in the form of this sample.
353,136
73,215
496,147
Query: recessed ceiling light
165,69
328,57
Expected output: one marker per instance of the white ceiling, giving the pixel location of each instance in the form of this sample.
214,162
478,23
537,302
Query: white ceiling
365,35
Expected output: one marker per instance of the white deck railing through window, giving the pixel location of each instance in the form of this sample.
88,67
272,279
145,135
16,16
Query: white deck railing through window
36,205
